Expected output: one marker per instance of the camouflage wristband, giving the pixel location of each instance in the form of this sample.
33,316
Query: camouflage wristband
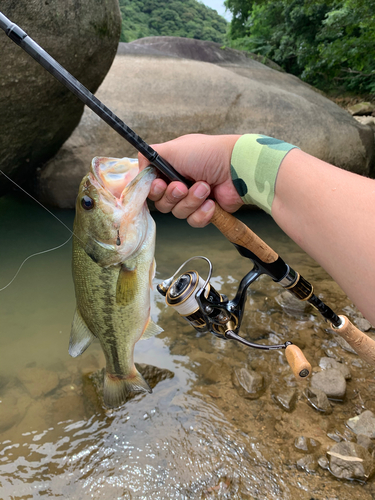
254,165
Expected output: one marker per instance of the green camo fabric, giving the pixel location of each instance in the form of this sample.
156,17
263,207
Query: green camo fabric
254,165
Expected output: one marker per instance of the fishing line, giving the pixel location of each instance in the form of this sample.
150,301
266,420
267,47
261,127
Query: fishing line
33,255
32,197
43,251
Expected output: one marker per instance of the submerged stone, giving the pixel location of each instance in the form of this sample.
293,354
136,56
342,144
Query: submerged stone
38,381
331,382
328,363
286,399
306,444
363,424
318,400
250,381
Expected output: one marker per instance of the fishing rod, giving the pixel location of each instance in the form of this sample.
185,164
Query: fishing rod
195,299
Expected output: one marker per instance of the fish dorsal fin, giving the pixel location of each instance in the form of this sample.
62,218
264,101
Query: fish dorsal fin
80,336
127,286
151,329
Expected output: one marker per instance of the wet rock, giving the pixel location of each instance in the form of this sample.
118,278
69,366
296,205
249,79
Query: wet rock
38,381
362,108
334,436
350,461
327,363
250,381
363,324
152,374
307,463
92,399
363,424
68,406
208,370
290,304
366,442
306,444
323,462
331,382
318,400
286,399
343,343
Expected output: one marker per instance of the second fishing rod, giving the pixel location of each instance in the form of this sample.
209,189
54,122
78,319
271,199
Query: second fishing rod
265,259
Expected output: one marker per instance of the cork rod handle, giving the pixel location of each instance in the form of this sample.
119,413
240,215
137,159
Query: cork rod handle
297,361
363,345
238,233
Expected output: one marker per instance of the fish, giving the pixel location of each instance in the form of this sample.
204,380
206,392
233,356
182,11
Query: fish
113,268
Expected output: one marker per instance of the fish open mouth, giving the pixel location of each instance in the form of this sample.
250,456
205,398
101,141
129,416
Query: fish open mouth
115,174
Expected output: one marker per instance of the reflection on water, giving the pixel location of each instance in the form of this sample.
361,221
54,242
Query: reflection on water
198,435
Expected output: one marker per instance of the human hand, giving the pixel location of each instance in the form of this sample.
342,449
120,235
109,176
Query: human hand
204,159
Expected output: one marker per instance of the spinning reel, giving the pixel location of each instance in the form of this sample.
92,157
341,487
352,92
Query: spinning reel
206,310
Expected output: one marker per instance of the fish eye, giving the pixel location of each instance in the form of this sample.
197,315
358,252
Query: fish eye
87,203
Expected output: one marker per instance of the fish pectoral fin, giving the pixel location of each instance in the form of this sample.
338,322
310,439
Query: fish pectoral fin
126,288
117,389
80,336
151,329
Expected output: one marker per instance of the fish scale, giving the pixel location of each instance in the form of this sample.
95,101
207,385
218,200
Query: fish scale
112,281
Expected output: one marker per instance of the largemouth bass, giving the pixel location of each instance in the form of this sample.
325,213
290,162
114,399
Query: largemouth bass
113,268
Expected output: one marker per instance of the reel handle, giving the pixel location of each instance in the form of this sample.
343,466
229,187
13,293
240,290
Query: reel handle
363,345
297,362
239,234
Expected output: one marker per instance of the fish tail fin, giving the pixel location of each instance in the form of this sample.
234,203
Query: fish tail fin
117,389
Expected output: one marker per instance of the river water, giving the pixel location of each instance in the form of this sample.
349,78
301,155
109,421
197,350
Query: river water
199,434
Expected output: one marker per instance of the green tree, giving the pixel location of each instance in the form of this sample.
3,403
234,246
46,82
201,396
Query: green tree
184,18
327,43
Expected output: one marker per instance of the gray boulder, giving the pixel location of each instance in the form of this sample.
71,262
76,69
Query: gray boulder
161,98
37,113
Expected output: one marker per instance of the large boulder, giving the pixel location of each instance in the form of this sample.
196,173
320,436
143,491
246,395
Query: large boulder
37,113
161,97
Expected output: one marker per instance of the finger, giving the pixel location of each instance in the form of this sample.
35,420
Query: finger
158,188
174,193
202,216
194,199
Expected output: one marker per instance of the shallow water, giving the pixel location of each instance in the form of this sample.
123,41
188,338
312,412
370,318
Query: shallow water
197,435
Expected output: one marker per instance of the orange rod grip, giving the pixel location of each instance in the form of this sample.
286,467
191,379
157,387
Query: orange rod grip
363,345
237,232
297,361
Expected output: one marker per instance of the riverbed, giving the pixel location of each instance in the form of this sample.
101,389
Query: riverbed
200,434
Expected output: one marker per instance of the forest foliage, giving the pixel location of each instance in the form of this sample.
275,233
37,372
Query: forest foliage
328,43
184,18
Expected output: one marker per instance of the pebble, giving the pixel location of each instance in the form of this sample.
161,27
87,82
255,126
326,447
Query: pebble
363,324
251,381
286,399
331,382
306,444
327,363
361,108
307,463
343,344
38,381
363,424
350,461
366,442
318,400
323,462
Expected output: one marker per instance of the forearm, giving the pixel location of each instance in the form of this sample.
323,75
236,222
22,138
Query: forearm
330,213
